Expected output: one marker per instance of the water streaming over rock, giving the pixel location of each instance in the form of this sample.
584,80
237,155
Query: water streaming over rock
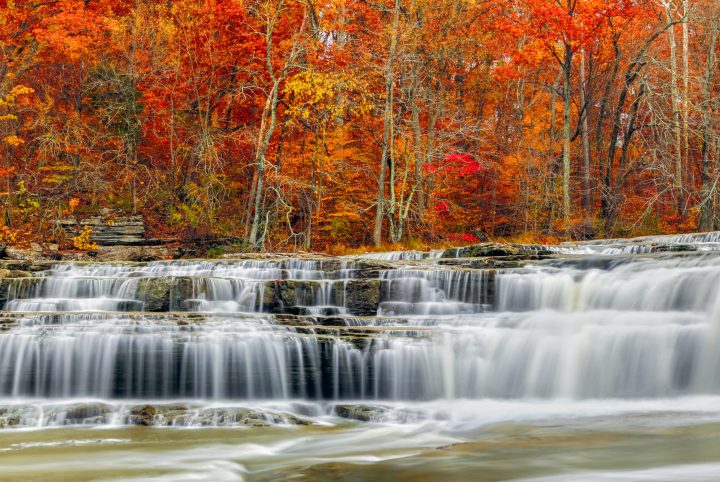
637,323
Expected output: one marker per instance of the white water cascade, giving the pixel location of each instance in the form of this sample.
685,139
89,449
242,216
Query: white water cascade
322,331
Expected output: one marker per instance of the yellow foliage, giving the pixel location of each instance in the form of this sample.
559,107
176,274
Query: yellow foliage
14,237
14,141
17,91
325,94
83,241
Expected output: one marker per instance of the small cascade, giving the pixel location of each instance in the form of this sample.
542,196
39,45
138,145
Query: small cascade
674,283
434,292
180,286
404,255
647,244
74,294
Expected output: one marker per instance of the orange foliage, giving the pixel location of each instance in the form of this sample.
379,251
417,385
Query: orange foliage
169,108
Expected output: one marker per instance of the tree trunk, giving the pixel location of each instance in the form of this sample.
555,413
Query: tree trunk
585,135
686,90
567,71
676,100
706,221
267,127
387,125
418,153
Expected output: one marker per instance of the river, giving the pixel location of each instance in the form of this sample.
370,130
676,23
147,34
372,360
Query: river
587,361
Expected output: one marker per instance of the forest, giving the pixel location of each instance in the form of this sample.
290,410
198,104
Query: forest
328,125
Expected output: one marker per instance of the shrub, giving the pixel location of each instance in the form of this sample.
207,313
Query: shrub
83,241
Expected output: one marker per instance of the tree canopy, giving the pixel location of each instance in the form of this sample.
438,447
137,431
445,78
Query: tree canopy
309,124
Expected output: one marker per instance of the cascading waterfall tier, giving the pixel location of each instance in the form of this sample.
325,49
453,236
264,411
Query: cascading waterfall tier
396,327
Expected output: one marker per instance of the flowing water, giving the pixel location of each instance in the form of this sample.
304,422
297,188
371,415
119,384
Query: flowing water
586,361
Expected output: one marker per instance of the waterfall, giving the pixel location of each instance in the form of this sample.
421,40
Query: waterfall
632,326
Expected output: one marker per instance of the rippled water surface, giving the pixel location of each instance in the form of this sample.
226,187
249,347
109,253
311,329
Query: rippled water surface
484,441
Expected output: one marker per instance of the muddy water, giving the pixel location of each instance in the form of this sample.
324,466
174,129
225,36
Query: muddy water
656,440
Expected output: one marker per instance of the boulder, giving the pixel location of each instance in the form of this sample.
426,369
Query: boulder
187,415
142,415
361,297
164,293
155,293
87,413
288,296
361,413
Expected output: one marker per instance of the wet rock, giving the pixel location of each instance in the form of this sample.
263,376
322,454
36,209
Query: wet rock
256,418
180,415
672,248
370,269
492,263
174,415
361,413
18,416
496,250
155,293
239,416
289,296
84,413
362,296
142,415
294,320
39,266
20,287
87,410
13,264
165,293
277,296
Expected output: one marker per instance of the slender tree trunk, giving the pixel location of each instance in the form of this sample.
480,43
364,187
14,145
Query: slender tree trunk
267,128
686,90
607,194
268,123
708,191
676,100
567,72
416,97
585,135
418,152
550,189
387,125
315,194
